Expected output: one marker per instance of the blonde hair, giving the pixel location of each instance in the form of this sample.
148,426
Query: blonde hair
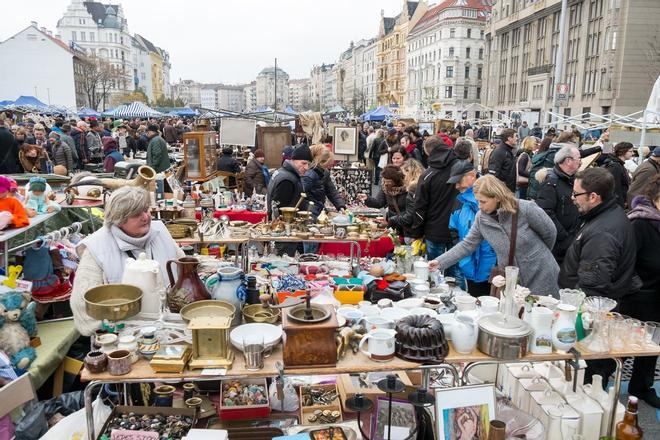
321,155
529,144
411,170
494,188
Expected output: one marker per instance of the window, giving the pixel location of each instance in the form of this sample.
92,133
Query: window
82,36
32,37
467,72
478,93
479,72
452,32
467,52
481,34
73,36
481,54
449,72
449,91
451,51
92,37
465,92
469,33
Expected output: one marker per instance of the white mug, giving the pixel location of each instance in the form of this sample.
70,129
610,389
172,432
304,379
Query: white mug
465,302
385,302
489,304
377,322
381,345
421,269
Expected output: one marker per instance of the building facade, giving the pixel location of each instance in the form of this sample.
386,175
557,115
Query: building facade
230,97
141,67
299,94
445,60
365,72
102,31
268,84
189,91
317,82
608,67
345,81
250,97
392,35
156,67
208,97
34,48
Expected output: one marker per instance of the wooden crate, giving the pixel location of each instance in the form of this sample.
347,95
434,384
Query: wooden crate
306,411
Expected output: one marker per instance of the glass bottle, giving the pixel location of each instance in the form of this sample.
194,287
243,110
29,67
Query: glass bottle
628,428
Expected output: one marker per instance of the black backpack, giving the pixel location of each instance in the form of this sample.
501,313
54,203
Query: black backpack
542,160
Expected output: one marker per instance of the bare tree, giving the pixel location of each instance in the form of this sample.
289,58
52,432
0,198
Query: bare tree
97,78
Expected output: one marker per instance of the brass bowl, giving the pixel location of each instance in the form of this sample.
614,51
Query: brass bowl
207,307
304,215
113,302
288,214
258,313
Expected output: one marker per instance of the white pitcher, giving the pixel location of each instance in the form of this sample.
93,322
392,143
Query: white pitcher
564,336
464,333
145,274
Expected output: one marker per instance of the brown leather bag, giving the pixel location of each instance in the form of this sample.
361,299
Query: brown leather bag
497,270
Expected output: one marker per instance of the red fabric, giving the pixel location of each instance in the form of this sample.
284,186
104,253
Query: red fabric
248,216
373,248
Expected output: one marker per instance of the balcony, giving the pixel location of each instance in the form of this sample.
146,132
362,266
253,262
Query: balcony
537,70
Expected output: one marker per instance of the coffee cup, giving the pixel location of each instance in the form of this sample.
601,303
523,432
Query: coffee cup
421,269
381,345
377,322
489,304
465,303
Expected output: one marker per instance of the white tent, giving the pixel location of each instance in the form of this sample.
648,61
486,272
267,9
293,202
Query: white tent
134,110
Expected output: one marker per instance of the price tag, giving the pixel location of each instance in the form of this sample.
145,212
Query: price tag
124,434
213,372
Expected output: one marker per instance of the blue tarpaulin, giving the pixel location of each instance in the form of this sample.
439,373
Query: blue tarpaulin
30,101
87,112
379,114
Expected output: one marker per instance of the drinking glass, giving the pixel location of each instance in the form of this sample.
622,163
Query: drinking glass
635,334
253,351
617,334
651,333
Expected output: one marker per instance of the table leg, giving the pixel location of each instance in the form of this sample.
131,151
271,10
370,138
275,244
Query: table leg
5,251
89,410
617,390
58,379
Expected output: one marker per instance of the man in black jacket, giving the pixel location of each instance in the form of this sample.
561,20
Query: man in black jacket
554,198
502,163
434,199
286,186
601,260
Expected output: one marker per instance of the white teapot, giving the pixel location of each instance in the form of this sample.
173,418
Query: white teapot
145,274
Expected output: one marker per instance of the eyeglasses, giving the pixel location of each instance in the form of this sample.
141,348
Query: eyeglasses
576,195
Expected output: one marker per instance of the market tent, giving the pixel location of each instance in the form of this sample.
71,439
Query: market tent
263,109
135,110
336,109
186,111
290,110
87,112
108,112
379,114
30,101
6,103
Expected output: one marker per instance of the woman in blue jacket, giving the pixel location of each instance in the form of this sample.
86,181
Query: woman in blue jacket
475,267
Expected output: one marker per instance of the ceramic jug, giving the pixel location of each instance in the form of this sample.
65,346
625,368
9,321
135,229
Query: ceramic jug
464,334
604,399
225,285
563,330
145,274
540,318
188,287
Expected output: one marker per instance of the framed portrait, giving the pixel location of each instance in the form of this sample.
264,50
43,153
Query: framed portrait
428,127
345,140
464,412
403,419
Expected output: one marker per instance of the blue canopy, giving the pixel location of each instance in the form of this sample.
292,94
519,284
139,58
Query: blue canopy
30,101
290,110
6,103
135,110
186,111
379,114
87,112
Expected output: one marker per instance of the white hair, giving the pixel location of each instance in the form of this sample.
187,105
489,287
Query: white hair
126,202
564,152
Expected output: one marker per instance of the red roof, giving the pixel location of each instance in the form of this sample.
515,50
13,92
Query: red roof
432,14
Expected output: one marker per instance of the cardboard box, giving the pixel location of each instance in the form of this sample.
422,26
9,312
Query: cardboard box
349,384
307,411
142,410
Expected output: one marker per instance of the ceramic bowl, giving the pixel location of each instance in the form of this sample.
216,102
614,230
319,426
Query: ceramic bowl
119,362
272,334
96,362
409,303
423,311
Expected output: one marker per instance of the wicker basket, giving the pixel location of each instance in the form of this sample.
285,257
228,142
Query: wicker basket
178,230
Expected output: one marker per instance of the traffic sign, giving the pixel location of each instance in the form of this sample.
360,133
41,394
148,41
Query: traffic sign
561,94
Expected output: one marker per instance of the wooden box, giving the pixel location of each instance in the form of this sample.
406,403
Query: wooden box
307,411
200,155
273,140
349,384
171,359
310,345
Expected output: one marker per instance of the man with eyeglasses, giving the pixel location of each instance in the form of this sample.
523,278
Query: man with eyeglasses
601,260
554,198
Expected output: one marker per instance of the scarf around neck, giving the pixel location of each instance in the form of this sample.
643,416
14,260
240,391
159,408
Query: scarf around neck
644,209
128,243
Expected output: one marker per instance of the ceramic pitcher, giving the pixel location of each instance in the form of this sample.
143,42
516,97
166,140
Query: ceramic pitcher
226,285
540,318
563,330
145,274
188,287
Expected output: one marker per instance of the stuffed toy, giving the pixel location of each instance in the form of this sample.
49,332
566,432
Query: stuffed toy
17,325
12,211
37,202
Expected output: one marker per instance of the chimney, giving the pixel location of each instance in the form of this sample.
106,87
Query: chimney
34,23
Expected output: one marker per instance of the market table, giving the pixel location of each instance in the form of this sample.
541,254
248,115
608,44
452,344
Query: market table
8,234
245,215
368,248
351,363
56,339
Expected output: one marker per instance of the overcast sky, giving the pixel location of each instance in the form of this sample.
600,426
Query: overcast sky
230,41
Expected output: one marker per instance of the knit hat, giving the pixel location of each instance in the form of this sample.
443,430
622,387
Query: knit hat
5,184
302,152
37,184
259,153
116,123
391,132
656,152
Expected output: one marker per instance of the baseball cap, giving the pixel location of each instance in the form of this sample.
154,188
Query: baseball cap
458,170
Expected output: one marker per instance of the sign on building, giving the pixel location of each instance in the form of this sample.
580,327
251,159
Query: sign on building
561,94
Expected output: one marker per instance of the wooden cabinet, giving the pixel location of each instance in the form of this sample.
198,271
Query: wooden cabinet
200,154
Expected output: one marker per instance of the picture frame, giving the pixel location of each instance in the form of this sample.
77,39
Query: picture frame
464,412
403,419
345,140
429,126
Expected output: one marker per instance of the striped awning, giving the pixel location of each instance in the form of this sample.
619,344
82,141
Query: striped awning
134,110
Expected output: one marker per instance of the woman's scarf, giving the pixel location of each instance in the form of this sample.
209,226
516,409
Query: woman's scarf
643,208
128,243
393,191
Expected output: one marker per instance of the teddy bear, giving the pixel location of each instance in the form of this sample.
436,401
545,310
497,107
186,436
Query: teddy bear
17,325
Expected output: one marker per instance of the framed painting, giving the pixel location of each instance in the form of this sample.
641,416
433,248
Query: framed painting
464,412
345,140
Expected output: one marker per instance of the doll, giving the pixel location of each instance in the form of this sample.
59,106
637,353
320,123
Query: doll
12,212
36,201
